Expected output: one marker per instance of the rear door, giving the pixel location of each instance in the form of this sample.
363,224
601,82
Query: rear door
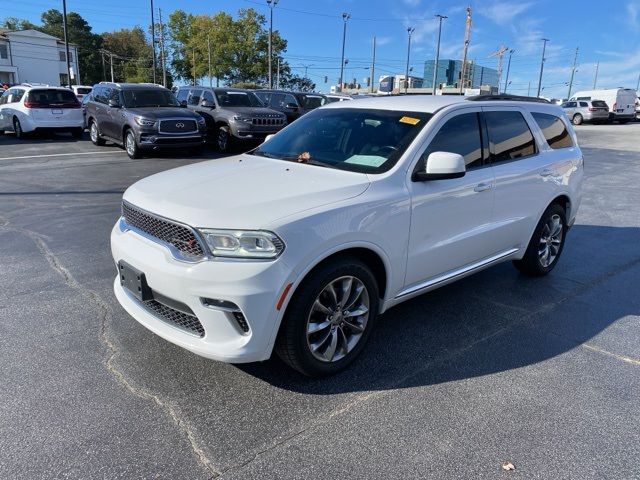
626,102
525,170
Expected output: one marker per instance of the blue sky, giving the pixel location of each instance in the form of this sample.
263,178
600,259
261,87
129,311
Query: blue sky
605,31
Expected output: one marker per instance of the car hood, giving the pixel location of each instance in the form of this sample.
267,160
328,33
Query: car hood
242,192
156,113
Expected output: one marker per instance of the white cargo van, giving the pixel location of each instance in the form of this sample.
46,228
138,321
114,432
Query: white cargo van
621,101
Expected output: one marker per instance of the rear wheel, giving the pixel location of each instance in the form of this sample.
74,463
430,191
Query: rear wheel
17,128
95,134
577,119
546,244
329,318
224,140
130,145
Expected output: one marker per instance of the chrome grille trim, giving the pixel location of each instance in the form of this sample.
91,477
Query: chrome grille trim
185,121
183,241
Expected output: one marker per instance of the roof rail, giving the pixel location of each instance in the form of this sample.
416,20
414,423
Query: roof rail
505,97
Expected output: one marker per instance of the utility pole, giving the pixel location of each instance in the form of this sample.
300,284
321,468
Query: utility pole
305,69
529,89
271,3
345,17
373,64
410,30
194,66
66,40
467,38
278,75
573,71
638,84
163,60
595,80
435,66
111,62
209,54
153,44
506,80
544,48
104,67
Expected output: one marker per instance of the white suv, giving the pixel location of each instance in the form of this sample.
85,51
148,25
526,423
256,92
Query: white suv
28,108
299,244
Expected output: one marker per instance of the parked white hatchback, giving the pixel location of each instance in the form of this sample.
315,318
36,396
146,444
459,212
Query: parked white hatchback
299,244
28,108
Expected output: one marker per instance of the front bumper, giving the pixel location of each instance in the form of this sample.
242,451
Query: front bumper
149,138
254,286
249,132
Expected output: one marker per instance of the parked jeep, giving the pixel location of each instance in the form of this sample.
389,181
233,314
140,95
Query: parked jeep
292,104
233,115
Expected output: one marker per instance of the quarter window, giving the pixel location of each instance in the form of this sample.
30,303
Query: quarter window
509,136
461,135
554,130
584,104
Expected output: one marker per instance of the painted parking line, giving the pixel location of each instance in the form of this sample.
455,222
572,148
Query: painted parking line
58,155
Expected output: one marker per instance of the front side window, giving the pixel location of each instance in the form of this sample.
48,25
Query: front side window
231,98
554,130
207,95
460,134
153,97
194,97
509,136
312,101
263,97
354,139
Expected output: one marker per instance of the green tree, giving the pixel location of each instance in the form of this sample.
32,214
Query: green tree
132,54
14,23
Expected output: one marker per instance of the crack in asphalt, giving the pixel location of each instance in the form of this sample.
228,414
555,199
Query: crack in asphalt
105,339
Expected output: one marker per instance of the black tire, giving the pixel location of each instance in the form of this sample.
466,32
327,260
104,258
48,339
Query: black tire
77,133
577,119
532,264
94,134
224,139
292,344
130,145
17,128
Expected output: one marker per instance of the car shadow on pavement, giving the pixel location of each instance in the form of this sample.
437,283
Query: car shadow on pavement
41,137
494,321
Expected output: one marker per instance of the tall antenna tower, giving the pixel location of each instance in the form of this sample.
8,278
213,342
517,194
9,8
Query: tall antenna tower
499,53
467,37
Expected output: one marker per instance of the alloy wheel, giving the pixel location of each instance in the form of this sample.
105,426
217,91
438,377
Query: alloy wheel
130,144
223,140
550,240
338,319
93,131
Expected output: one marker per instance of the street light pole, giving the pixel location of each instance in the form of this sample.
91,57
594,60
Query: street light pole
271,3
66,40
544,47
373,64
573,71
410,30
435,66
153,43
595,79
345,17
506,80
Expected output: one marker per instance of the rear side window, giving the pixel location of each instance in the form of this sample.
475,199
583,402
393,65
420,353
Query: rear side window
554,130
599,104
584,104
509,136
460,134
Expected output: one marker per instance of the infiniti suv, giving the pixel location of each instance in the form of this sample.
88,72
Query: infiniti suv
298,245
141,117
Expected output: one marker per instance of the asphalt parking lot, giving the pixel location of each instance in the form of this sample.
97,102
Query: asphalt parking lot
544,373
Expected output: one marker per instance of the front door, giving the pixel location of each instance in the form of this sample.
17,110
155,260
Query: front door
451,220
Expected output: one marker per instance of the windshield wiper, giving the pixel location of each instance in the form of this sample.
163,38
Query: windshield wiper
292,158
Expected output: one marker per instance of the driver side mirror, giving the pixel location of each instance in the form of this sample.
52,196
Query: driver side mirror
113,103
441,166
208,104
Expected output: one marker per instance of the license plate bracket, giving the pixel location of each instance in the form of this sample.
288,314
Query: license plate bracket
135,281
56,111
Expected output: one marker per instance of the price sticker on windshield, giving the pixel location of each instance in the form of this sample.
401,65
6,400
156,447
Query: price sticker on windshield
410,120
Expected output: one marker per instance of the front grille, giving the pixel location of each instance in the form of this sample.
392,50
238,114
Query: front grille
178,126
184,321
272,121
180,236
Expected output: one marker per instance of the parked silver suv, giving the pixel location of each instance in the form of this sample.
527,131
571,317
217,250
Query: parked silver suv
594,111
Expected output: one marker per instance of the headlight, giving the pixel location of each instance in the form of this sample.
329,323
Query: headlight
144,122
243,243
243,119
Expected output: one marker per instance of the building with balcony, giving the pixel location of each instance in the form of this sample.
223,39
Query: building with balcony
30,56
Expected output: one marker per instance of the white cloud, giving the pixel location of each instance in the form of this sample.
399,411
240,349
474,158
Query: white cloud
411,3
380,41
633,10
502,12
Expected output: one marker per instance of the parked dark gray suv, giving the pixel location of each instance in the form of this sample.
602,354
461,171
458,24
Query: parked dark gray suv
142,116
292,104
233,115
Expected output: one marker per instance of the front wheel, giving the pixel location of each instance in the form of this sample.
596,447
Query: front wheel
329,318
224,139
94,134
130,145
546,244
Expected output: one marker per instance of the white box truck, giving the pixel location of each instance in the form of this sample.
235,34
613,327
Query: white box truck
621,101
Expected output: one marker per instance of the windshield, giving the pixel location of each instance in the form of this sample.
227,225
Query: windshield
312,101
154,97
354,139
83,91
230,98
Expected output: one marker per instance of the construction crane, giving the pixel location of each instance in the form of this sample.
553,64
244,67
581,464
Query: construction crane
499,53
467,37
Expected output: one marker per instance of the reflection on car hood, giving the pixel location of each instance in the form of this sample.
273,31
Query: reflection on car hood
253,111
157,113
244,192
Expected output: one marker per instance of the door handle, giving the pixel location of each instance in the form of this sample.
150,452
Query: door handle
481,187
546,172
